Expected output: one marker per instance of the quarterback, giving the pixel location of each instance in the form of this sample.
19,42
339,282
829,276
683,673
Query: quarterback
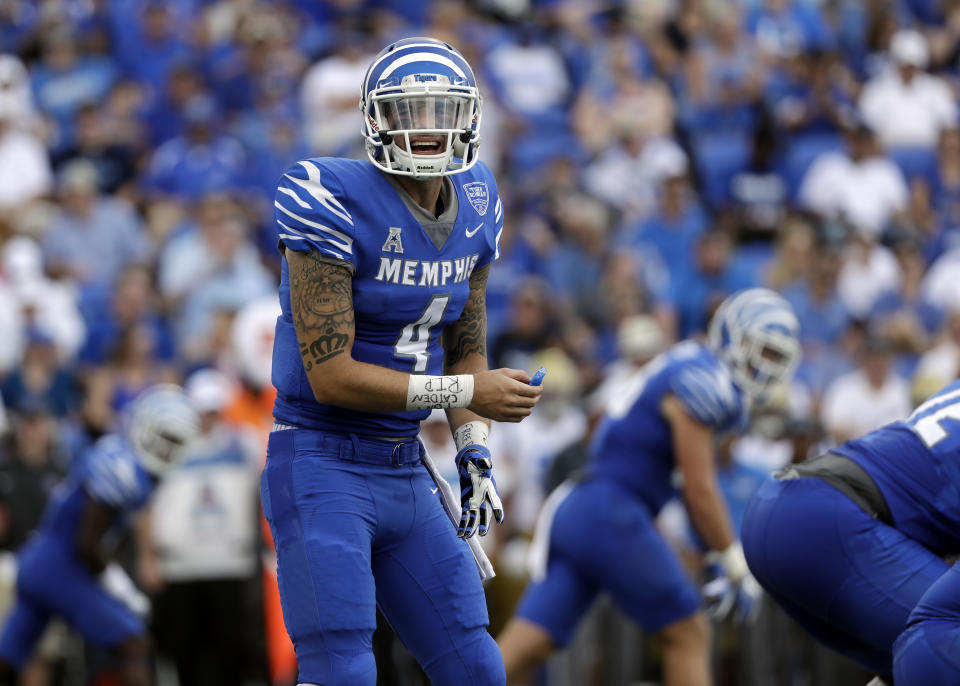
384,319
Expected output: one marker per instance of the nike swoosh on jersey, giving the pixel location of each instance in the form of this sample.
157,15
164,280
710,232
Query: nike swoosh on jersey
471,233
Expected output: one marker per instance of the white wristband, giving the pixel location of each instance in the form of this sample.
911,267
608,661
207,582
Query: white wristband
471,433
439,392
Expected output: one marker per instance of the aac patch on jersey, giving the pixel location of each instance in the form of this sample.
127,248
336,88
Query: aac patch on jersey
478,195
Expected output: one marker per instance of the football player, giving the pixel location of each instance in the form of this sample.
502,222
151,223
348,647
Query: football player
384,319
64,569
598,534
849,542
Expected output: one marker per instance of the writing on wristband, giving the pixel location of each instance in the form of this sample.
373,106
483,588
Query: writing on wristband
471,433
439,392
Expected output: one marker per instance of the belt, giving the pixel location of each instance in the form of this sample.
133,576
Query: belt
846,476
277,426
359,447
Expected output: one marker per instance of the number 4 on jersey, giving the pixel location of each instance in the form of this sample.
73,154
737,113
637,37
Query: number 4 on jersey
415,336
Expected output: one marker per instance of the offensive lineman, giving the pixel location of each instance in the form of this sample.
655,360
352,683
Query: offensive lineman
850,541
383,260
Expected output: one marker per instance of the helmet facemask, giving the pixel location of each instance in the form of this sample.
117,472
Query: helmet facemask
763,358
425,127
756,333
160,425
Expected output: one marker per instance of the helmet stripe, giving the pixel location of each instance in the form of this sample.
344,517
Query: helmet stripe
423,57
385,55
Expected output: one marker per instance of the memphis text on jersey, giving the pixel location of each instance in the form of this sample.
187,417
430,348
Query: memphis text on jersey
425,272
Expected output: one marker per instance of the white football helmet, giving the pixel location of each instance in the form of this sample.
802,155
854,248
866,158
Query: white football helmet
756,333
159,425
421,92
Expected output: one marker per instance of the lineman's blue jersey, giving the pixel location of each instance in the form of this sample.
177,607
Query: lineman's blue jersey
916,465
406,289
108,473
634,445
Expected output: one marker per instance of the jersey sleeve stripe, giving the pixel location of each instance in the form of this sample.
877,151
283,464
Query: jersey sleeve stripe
498,210
319,192
496,250
301,235
296,198
345,244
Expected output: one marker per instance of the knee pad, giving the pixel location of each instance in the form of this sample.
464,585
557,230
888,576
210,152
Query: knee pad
477,662
336,658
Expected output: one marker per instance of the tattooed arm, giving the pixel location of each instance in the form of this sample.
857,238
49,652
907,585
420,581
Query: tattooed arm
465,342
321,302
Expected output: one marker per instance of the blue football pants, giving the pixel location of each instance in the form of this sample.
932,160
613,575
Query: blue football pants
603,540
358,523
928,651
52,582
847,578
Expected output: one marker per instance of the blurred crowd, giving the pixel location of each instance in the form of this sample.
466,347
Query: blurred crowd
652,156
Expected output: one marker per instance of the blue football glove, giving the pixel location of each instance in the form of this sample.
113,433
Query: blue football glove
723,598
478,491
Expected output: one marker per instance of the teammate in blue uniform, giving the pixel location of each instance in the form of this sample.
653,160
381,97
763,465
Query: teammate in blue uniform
598,534
63,570
383,319
850,541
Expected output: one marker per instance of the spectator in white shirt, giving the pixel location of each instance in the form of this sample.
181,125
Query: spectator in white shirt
906,106
941,364
24,164
862,187
328,99
866,398
869,271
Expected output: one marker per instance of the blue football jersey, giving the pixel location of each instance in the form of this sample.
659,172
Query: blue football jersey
916,465
634,445
406,288
109,473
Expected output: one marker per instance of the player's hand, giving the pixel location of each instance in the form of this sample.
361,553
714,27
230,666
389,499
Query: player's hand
504,395
114,581
723,598
478,491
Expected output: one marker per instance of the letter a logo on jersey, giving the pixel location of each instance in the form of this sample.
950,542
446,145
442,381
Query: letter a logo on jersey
393,243
478,195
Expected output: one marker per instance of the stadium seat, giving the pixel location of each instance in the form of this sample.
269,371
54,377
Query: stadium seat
801,153
916,163
718,158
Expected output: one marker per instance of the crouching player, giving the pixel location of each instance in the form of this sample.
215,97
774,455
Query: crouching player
63,570
598,535
850,541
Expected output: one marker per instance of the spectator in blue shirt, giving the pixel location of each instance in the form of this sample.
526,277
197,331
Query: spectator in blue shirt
109,312
785,27
65,80
696,290
39,379
674,227
199,162
94,237
210,267
150,48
